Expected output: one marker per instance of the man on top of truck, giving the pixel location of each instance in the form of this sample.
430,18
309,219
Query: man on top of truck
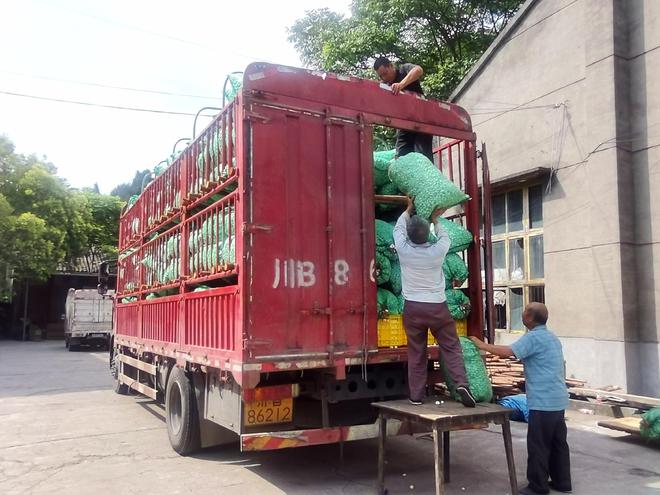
400,77
425,305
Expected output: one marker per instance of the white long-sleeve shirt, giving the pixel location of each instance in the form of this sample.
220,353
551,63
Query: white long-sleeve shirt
422,277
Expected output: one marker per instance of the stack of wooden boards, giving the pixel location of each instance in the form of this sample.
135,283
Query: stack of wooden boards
507,376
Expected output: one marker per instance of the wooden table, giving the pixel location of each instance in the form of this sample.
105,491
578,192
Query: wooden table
443,418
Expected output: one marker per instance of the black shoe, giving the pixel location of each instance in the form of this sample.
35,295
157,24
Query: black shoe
467,399
416,402
552,486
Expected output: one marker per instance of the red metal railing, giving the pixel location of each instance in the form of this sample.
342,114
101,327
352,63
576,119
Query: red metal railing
160,318
162,197
210,318
450,161
211,159
129,270
130,225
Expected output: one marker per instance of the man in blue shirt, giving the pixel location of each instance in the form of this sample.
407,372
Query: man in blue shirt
547,450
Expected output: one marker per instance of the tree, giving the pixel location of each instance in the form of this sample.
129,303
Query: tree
445,37
44,223
133,188
103,229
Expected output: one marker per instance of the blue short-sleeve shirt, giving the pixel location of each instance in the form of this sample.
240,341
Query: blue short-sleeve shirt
541,353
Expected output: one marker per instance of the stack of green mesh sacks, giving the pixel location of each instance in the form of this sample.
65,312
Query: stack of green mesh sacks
213,243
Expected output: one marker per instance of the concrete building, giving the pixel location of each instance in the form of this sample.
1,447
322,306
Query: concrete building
567,100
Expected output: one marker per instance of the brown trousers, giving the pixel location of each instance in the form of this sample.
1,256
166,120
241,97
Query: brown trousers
418,319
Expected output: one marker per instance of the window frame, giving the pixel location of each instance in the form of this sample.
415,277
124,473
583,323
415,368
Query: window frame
527,233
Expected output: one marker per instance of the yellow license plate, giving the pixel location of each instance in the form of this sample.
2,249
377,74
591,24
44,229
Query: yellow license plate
265,412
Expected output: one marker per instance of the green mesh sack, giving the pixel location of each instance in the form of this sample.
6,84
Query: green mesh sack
172,246
229,250
384,234
385,240
418,177
401,302
382,161
395,277
159,169
233,86
131,201
387,302
213,254
454,269
650,426
458,303
388,189
383,269
202,288
151,295
475,369
459,236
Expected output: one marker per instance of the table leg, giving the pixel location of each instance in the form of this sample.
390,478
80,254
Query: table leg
438,457
382,434
508,447
445,446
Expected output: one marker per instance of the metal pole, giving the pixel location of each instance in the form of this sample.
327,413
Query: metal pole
25,308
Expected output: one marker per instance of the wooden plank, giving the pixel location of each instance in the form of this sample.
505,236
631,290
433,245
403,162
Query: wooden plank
634,400
439,461
382,434
628,425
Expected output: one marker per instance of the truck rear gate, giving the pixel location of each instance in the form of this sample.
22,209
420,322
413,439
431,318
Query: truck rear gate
259,240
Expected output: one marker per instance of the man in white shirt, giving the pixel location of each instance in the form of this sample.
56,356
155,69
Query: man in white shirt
425,306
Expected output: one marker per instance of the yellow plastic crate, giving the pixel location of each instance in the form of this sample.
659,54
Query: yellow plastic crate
392,334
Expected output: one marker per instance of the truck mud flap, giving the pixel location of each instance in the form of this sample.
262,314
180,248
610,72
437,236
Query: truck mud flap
303,438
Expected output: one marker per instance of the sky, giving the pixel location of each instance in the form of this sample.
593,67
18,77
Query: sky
184,48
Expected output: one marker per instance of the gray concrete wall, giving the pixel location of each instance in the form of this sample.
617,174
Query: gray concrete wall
570,88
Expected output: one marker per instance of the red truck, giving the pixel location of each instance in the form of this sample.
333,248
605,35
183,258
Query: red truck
246,297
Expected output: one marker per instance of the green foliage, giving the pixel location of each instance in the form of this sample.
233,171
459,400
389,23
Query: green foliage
133,188
444,37
44,223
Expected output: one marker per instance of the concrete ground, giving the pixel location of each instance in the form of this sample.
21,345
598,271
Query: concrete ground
64,431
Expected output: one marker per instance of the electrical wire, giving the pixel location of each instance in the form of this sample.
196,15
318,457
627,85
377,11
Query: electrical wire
100,105
100,85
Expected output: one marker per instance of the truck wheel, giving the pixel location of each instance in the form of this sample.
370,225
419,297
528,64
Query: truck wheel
119,388
181,413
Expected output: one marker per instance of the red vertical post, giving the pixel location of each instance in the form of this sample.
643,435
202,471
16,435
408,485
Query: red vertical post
488,245
475,319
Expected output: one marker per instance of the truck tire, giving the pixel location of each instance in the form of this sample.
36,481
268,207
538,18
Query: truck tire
119,388
181,413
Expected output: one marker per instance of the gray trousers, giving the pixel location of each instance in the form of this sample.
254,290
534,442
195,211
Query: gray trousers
418,319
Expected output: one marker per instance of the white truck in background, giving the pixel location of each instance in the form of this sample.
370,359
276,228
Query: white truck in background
88,318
